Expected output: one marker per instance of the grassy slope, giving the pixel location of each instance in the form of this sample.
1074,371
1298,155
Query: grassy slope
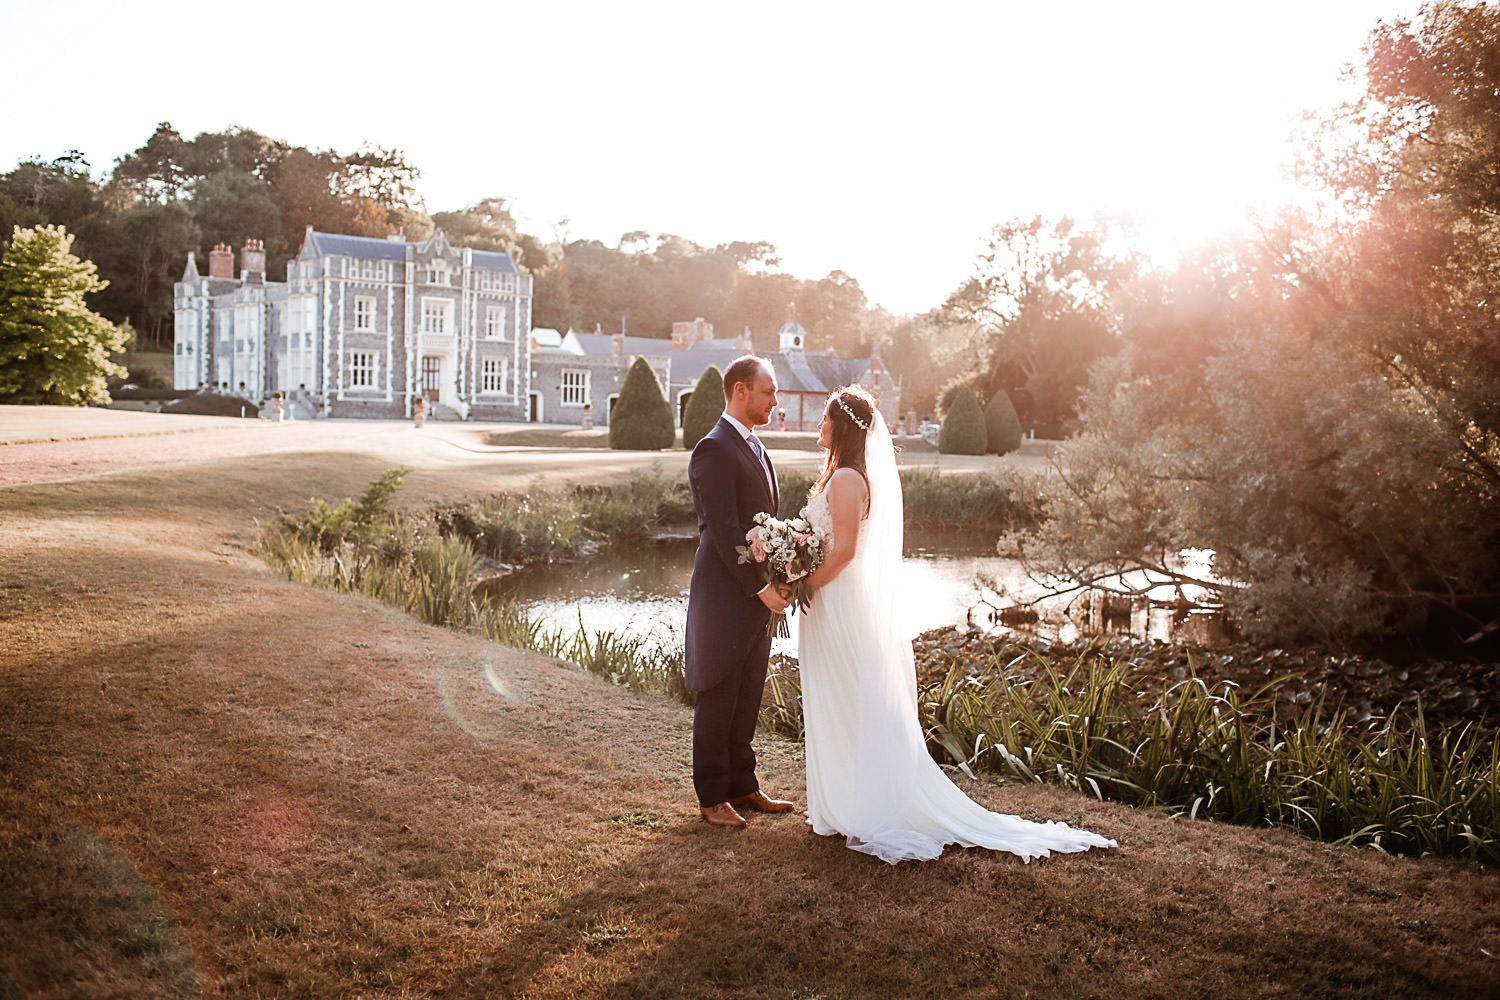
216,781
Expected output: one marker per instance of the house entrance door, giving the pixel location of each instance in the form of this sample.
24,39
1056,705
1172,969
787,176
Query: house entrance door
432,368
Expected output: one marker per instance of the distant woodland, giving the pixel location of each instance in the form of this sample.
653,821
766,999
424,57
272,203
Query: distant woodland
138,220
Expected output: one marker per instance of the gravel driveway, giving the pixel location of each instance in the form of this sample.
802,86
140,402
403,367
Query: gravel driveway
57,461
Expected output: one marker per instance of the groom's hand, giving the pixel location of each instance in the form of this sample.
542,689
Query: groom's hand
771,597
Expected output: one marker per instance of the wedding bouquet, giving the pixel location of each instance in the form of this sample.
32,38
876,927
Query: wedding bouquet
784,552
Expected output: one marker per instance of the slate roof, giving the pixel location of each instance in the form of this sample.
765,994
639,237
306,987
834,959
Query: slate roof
371,247
796,371
488,260
595,344
377,248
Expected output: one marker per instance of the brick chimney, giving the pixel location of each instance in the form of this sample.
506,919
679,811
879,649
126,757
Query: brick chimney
685,335
221,261
253,261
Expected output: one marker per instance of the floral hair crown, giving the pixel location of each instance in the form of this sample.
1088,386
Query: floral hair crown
863,425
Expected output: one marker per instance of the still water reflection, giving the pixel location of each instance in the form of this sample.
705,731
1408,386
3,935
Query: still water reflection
641,589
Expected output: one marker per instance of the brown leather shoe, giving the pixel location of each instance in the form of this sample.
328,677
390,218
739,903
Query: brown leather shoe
758,801
722,814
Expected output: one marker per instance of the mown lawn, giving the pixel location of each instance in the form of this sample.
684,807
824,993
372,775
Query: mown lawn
216,782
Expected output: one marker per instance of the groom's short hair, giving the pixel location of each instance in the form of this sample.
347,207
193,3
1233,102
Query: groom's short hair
744,368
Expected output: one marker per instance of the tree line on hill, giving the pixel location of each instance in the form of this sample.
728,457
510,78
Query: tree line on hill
172,195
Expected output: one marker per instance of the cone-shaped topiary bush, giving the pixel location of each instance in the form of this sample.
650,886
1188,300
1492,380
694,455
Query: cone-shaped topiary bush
704,408
642,417
963,430
1002,425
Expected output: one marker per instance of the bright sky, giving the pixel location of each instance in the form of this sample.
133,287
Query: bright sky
880,139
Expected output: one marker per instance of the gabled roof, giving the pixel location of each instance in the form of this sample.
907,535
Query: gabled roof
489,260
378,248
369,247
595,344
796,371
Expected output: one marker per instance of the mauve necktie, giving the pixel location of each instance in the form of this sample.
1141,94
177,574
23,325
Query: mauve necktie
760,453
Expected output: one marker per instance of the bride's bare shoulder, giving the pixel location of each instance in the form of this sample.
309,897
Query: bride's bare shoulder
847,485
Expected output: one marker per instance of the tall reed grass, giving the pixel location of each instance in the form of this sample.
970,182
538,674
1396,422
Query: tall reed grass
933,501
1215,753
542,525
365,547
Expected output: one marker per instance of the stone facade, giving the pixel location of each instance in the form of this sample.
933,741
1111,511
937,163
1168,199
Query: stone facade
587,371
569,371
362,327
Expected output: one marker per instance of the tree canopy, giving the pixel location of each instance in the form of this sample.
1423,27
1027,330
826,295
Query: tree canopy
1315,411
53,347
173,194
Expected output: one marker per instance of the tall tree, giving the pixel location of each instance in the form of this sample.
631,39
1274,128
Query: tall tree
833,310
142,254
485,225
157,171
1319,409
53,347
231,206
1037,308
57,192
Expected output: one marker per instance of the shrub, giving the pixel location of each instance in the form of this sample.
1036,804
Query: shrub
642,417
361,522
704,408
1002,425
963,430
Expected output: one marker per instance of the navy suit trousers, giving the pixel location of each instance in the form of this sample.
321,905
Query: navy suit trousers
724,721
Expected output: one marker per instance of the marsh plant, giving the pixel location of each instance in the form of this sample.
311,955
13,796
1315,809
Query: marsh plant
1220,753
935,502
543,525
428,564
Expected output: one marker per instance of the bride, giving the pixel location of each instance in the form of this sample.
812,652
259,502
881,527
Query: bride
869,776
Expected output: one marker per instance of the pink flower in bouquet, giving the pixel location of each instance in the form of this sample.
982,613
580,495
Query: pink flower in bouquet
757,544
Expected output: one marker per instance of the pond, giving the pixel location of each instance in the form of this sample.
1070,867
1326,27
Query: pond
641,588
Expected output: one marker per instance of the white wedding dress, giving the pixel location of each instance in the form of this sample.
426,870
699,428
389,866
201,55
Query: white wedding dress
869,775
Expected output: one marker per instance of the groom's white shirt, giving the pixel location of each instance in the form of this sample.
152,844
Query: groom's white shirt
745,433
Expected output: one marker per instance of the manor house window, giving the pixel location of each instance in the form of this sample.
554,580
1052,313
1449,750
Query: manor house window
364,313
362,369
435,316
492,375
494,322
575,387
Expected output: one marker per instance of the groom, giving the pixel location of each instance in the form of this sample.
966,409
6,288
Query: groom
728,605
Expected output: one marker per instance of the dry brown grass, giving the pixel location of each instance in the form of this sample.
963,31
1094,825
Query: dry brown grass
215,781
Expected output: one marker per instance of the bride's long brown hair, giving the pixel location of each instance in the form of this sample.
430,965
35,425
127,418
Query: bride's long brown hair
846,438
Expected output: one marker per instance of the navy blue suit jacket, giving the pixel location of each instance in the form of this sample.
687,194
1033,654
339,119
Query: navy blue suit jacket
725,618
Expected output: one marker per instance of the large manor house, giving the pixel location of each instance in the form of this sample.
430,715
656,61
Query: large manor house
361,327
367,327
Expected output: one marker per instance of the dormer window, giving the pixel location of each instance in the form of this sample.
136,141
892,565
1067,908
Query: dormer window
437,272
